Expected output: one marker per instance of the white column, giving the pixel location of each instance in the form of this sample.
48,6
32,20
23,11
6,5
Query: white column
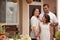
58,11
25,18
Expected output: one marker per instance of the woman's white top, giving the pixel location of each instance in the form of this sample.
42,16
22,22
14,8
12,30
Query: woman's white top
34,23
45,31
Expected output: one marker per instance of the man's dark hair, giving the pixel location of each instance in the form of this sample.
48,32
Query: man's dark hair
46,5
47,18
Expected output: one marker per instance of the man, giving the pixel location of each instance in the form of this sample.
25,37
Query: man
53,18
48,12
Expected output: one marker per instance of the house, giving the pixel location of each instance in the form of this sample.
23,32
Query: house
23,13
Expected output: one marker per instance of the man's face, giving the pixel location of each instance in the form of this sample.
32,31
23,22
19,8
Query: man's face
46,9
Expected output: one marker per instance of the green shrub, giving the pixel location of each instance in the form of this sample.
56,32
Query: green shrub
57,34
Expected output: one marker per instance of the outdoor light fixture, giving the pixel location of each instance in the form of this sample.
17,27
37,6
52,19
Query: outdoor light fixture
29,1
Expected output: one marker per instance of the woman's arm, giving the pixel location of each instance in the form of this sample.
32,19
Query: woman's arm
35,31
34,27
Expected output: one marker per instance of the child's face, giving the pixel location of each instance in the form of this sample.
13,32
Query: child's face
43,19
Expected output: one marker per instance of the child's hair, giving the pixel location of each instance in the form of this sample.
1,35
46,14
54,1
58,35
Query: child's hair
47,18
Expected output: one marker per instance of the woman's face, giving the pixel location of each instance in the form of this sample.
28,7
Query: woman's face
36,12
44,19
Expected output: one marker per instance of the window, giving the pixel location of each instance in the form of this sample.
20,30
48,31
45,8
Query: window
8,12
9,15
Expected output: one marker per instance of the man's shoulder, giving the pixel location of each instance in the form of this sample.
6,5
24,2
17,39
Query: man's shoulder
41,14
51,13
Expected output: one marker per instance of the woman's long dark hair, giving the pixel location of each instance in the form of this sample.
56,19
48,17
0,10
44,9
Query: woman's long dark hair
34,11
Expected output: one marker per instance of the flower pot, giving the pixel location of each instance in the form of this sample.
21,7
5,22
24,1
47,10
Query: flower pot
2,36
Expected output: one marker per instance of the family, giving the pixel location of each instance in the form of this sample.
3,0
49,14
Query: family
42,24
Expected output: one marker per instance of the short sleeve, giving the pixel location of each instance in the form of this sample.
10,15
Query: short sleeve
33,22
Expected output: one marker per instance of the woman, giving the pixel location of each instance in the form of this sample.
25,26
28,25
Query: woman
35,24
46,28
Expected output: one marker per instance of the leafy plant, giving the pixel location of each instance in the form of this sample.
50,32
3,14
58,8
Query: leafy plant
16,36
57,34
2,29
2,32
26,37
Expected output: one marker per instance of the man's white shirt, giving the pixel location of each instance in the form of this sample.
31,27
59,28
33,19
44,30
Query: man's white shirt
53,18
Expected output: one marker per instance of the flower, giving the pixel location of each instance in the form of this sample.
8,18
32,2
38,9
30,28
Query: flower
26,37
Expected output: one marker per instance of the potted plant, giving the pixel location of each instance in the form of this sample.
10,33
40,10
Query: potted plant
57,35
2,32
